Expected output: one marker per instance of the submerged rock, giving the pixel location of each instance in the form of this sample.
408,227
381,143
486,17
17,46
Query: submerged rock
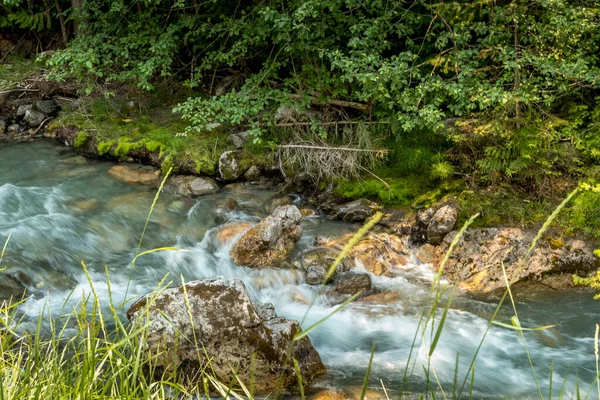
270,242
356,211
192,185
379,253
476,262
229,329
135,174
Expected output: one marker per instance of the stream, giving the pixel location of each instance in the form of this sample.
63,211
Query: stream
61,209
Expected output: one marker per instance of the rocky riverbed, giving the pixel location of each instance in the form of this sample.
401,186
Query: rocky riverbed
272,249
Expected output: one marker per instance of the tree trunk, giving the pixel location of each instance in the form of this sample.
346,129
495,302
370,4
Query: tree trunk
48,15
76,5
61,21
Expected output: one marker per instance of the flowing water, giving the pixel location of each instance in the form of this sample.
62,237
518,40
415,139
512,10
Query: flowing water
62,209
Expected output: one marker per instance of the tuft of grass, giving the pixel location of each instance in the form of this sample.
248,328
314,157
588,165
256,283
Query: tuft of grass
13,70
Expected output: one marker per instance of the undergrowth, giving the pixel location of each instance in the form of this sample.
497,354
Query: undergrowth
13,70
119,129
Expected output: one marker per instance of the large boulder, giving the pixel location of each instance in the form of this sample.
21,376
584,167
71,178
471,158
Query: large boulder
356,211
270,242
230,167
476,262
192,185
379,253
442,222
218,322
135,174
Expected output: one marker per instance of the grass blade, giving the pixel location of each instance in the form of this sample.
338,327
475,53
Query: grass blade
368,374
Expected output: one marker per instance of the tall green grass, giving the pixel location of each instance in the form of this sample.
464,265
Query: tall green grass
90,353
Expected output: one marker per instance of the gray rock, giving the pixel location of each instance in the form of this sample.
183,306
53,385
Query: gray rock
229,166
47,107
34,118
315,274
229,329
356,211
22,109
271,241
253,174
192,185
200,186
442,223
236,141
317,262
2,126
278,202
350,283
10,288
424,217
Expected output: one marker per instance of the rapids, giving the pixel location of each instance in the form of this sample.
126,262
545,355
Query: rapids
62,209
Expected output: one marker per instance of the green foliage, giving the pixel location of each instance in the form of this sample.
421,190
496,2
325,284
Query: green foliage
442,170
520,77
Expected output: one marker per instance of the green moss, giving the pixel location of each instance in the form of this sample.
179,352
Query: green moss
167,164
105,146
125,146
398,191
153,146
81,139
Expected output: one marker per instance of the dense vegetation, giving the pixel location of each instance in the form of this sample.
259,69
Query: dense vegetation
500,93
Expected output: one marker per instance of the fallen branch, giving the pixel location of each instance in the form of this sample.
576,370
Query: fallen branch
310,147
287,124
339,103
18,90
40,127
